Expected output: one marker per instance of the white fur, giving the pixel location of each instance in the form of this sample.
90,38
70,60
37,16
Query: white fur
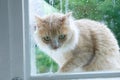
60,52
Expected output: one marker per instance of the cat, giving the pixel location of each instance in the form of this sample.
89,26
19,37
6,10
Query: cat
77,45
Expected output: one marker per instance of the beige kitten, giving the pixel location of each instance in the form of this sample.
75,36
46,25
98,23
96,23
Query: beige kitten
77,45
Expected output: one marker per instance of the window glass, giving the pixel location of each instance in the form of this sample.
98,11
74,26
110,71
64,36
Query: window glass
104,11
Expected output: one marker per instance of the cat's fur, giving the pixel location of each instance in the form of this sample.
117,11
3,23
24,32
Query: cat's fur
89,45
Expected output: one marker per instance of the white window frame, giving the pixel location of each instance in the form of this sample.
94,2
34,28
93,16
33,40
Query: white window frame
20,52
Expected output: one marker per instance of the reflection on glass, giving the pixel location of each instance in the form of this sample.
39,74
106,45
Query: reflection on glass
104,11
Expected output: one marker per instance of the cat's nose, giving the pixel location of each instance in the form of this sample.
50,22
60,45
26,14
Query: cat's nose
55,47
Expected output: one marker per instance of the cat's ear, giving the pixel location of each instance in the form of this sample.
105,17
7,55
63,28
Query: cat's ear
66,16
39,21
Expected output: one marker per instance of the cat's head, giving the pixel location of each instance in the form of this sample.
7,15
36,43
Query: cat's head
54,31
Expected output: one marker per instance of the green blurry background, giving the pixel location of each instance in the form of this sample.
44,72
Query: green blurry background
107,11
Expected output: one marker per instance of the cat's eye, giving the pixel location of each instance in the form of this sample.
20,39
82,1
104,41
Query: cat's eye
46,38
62,36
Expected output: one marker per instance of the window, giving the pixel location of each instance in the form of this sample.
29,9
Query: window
40,66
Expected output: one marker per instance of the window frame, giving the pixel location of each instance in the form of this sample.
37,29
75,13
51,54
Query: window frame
25,50
82,75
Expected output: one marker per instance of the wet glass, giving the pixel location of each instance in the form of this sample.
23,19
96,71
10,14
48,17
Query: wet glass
105,11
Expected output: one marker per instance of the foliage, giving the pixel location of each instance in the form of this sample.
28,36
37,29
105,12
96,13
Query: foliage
44,63
107,11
